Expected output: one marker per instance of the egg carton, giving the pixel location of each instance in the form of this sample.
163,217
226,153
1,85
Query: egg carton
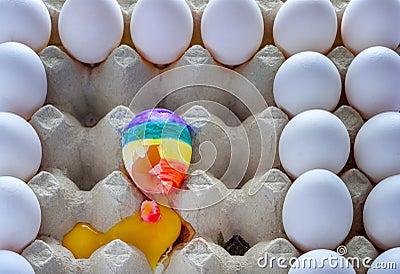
72,150
82,179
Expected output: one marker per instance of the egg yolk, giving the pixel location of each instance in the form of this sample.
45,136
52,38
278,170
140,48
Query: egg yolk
152,238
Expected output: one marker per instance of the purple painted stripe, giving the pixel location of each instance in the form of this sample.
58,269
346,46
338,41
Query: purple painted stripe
156,115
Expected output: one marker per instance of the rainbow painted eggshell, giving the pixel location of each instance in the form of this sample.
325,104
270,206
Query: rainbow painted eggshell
156,149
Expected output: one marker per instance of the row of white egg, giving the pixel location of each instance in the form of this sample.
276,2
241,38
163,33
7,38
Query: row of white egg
314,146
23,85
23,88
303,25
231,30
20,218
309,80
317,212
21,154
317,139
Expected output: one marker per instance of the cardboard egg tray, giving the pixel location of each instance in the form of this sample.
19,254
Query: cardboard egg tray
82,178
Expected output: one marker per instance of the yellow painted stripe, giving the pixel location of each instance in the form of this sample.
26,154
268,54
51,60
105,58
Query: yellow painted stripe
168,148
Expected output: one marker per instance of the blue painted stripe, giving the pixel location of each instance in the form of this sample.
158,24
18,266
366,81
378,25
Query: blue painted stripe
157,130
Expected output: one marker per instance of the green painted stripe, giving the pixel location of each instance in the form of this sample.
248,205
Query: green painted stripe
157,130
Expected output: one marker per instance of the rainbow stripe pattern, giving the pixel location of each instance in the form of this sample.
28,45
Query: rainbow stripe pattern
157,149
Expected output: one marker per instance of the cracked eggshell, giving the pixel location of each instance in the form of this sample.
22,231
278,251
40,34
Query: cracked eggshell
161,30
305,25
317,211
368,23
90,30
20,147
23,81
25,21
157,149
20,214
232,30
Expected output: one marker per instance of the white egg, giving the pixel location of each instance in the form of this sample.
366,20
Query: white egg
373,82
232,30
317,211
20,147
381,213
307,80
13,263
368,23
20,214
377,146
322,261
25,21
305,25
387,262
23,81
90,30
314,139
161,30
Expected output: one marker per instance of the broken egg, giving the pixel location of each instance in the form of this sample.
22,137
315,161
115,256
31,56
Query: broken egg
156,149
152,237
